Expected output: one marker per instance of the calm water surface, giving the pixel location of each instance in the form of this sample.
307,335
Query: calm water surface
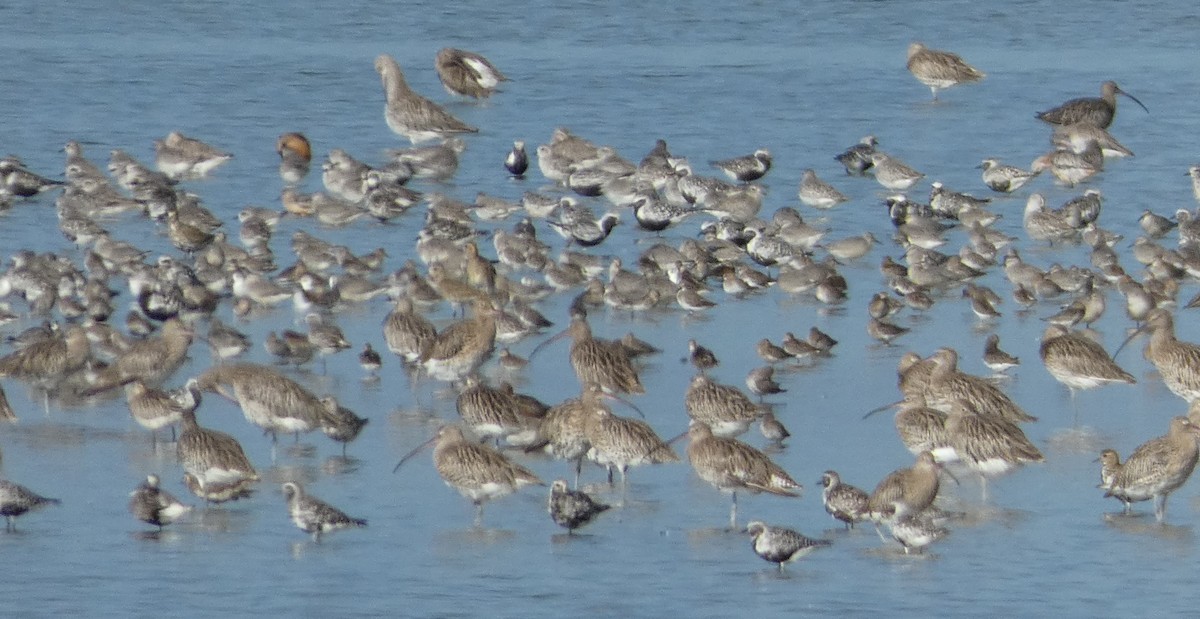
714,81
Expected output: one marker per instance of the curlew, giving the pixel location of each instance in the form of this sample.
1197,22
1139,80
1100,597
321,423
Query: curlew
219,491
268,399
947,386
151,360
409,114
598,361
476,471
312,515
563,429
919,427
842,501
571,509
406,332
1178,363
1078,362
488,412
155,506
1098,111
723,408
989,445
212,457
48,361
939,69
730,465
1158,467
16,500
463,346
780,545
466,73
620,443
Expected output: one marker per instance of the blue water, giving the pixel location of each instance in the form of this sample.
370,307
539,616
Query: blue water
714,80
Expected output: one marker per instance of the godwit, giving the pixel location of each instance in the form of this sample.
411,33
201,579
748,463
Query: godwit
466,73
151,360
919,427
916,531
1004,178
182,157
268,399
906,491
312,515
843,501
155,506
989,445
730,465
408,113
1092,110
295,155
154,408
1158,467
817,193
476,471
619,442
571,509
16,500
748,168
939,69
780,545
723,408
463,346
1077,361
947,385
598,361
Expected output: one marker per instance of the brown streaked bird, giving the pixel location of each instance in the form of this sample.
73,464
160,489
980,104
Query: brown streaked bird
151,360
770,352
781,545
842,501
1110,464
340,423
563,429
1158,467
409,114
947,385
1077,361
989,445
939,69
295,157
702,358
154,408
155,506
476,471
571,509
724,409
406,332
467,74
598,361
906,491
268,399
48,361
731,465
1098,111
1177,362
211,456
619,443
312,515
884,331
919,427
490,413
219,491
463,346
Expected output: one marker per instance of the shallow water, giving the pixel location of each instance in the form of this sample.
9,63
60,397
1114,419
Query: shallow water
714,81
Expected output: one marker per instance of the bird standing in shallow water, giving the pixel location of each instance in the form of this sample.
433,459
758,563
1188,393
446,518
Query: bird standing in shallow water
779,545
466,73
748,168
312,515
938,69
408,113
572,509
516,161
843,501
155,506
1158,467
16,500
1098,111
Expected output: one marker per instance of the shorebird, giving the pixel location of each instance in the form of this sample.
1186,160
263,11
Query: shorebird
155,506
892,173
219,491
857,158
17,180
946,386
761,382
211,456
723,408
731,465
772,429
461,347
1178,363
154,408
1043,224
16,500
409,114
1098,111
1077,361
817,193
780,545
466,73
916,531
476,471
268,399
842,501
340,423
312,515
571,509
602,362
48,361
701,357
939,69
996,359
181,157
1158,467
151,360
745,169
619,442
1110,463
906,491
406,332
516,161
1004,178
295,157
990,446
563,429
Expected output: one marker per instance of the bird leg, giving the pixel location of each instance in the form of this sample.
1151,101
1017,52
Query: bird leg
733,516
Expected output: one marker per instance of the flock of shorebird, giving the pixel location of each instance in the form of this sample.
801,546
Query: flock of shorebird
947,418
